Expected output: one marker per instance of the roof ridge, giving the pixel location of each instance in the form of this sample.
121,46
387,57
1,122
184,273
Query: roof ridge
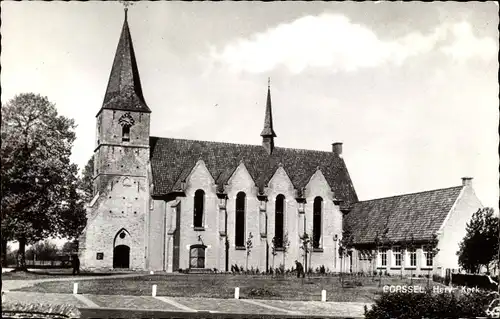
406,194
238,144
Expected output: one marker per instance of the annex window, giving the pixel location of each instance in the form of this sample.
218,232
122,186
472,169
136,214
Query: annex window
199,203
396,254
239,239
428,257
382,257
279,213
317,217
197,256
412,257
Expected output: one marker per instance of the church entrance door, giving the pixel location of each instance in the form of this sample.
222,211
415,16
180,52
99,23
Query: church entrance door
121,256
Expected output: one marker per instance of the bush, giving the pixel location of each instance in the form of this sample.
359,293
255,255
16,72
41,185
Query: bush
262,292
429,305
473,280
19,310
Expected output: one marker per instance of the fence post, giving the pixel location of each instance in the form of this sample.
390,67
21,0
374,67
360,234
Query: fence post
153,293
75,288
323,295
237,293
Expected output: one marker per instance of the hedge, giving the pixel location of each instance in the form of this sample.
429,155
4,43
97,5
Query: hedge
430,305
472,280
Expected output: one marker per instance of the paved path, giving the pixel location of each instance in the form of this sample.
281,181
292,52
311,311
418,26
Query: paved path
252,306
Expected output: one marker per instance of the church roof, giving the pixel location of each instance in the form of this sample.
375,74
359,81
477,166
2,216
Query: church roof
419,215
173,159
124,91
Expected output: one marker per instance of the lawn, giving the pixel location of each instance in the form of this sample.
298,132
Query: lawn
49,273
222,286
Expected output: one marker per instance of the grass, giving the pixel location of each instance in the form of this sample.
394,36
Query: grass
52,273
222,286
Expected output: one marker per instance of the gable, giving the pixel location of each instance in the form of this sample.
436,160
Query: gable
241,178
280,182
317,185
199,176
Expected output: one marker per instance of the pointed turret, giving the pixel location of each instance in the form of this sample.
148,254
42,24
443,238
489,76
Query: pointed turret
124,90
268,134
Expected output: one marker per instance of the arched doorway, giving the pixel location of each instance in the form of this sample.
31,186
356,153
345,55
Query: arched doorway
197,256
121,249
121,256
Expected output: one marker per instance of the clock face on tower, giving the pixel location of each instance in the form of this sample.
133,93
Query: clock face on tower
126,120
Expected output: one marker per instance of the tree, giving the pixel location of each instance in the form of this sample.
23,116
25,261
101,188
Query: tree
249,246
286,245
305,246
70,247
39,184
479,247
345,246
43,250
432,249
86,181
273,248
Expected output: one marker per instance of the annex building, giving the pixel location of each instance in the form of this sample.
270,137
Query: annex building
166,204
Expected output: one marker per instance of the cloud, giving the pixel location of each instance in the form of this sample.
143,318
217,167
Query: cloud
332,41
467,46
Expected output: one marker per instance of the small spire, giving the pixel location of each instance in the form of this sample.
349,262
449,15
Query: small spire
268,134
126,13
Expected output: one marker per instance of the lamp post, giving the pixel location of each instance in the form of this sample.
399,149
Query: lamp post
335,238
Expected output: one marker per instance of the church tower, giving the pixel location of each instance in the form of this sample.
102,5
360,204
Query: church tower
118,214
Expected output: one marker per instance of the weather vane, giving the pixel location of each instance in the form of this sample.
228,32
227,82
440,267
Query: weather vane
126,4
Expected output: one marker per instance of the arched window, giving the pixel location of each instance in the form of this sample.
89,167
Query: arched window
125,133
199,201
239,239
279,213
317,216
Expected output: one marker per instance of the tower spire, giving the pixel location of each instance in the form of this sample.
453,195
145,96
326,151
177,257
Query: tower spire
124,91
268,134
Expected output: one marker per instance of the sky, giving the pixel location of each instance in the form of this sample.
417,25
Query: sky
410,88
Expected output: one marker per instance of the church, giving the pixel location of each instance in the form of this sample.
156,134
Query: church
167,204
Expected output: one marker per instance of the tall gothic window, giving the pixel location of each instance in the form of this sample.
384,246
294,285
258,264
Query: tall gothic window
278,220
199,201
239,239
317,216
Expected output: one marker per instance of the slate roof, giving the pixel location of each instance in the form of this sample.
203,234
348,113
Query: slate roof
124,91
173,159
418,214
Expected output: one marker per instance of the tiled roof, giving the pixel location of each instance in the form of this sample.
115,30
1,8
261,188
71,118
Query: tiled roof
124,91
173,159
418,214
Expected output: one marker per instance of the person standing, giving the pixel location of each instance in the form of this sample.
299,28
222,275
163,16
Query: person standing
76,265
300,269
